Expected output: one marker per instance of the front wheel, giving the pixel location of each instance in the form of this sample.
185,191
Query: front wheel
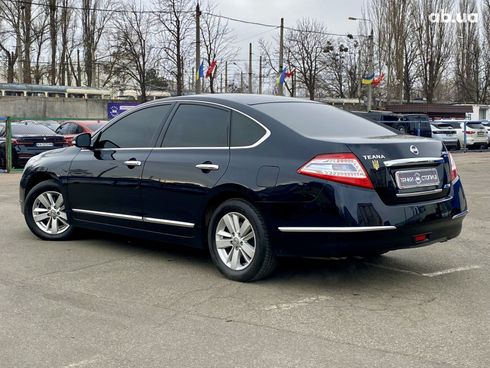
45,212
239,242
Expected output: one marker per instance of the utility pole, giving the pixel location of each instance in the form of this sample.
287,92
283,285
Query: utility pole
221,83
260,75
226,76
198,47
250,68
241,81
280,90
371,68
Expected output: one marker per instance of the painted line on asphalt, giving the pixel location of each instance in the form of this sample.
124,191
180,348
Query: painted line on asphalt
430,274
451,270
83,362
299,303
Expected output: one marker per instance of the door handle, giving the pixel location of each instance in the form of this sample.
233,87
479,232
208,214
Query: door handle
207,167
132,163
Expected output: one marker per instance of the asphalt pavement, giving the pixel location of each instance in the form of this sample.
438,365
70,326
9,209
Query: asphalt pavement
106,301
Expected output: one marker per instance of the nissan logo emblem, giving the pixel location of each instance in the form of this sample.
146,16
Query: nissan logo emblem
414,150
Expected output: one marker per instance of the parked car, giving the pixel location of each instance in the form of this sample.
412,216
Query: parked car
413,124
486,125
70,129
476,134
252,177
28,140
445,133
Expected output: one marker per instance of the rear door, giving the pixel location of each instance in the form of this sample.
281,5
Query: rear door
192,157
104,182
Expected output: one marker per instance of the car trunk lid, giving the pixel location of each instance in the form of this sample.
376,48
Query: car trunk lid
404,169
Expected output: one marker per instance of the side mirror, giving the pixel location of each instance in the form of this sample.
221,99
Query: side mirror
83,140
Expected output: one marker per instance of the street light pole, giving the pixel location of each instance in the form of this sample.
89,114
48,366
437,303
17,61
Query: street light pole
370,59
371,69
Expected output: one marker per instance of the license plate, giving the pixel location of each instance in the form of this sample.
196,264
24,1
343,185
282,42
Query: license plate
46,144
416,178
481,134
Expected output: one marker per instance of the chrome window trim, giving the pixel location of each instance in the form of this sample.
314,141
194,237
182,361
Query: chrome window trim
355,229
413,161
189,225
260,141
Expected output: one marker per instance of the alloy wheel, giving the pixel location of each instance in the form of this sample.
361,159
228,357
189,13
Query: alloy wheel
49,214
235,241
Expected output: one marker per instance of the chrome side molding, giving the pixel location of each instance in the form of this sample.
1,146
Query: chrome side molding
189,225
355,229
460,215
416,194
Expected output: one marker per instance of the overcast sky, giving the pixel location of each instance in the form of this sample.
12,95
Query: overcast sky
333,13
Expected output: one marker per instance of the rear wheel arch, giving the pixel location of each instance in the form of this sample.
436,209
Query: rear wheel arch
221,195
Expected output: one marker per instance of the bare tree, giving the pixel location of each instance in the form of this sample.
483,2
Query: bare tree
175,18
468,57
40,37
10,18
306,46
135,52
217,40
93,26
65,26
434,44
53,34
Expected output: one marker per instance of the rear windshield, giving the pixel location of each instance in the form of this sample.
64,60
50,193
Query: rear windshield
475,126
454,124
18,129
443,125
315,120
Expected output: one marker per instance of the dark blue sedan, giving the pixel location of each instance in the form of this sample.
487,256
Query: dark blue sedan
251,178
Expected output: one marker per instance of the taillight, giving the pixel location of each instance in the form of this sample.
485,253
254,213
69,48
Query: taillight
452,167
342,168
470,132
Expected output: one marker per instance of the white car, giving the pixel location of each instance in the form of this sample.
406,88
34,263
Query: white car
486,125
476,134
445,133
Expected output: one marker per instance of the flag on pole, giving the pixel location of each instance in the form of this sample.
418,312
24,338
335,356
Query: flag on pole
211,68
281,77
200,71
378,79
368,80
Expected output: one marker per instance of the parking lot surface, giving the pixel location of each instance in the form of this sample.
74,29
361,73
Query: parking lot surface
105,301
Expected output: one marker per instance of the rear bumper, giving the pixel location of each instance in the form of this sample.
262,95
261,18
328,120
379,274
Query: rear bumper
354,221
341,244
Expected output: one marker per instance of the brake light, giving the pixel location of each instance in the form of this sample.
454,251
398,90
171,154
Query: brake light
452,167
342,168
470,132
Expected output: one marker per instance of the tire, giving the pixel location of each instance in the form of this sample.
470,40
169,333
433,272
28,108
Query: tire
234,257
458,146
44,200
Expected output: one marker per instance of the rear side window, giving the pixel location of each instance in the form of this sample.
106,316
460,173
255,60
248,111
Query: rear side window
316,120
198,126
135,130
244,131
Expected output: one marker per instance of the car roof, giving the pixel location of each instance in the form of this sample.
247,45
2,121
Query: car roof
240,98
